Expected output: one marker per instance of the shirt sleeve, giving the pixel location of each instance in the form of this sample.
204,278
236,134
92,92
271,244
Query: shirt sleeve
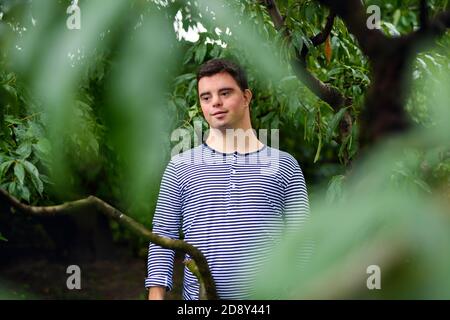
296,210
166,223
296,204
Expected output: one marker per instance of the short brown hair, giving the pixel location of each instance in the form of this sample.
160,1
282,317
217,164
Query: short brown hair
219,65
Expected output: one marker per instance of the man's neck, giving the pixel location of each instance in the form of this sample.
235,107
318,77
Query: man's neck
231,140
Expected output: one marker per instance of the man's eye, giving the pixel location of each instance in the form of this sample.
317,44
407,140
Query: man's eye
205,98
225,93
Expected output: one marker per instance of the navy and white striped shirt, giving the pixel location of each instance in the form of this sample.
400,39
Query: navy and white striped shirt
233,207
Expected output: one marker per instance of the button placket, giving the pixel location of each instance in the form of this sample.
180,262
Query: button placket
233,165
232,183
233,170
228,191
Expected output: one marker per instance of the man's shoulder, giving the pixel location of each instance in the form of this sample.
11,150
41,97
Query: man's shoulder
187,155
197,154
283,156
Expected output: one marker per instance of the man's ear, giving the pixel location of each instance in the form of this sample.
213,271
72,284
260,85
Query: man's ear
248,96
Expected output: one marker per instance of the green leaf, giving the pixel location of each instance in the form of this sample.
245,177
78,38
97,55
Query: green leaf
275,122
184,78
11,120
94,146
293,104
422,184
343,146
45,179
334,123
200,53
180,103
12,187
24,150
43,146
215,51
335,189
267,117
390,29
319,147
298,42
24,192
4,167
353,144
192,113
172,106
335,71
19,172
396,17
191,86
11,90
188,55
34,175
2,237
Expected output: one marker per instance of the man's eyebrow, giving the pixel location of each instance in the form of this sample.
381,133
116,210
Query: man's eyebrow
220,90
226,89
204,93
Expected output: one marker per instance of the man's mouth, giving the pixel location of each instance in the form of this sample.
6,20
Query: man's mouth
219,113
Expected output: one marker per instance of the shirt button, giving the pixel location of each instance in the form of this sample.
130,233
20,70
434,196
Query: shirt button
233,186
233,171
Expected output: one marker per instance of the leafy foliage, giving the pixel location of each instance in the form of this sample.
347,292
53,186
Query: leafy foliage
92,111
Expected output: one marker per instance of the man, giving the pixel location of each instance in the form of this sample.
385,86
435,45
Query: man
231,197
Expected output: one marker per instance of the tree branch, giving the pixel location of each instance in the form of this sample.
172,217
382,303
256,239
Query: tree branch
390,59
93,202
322,36
353,13
319,38
423,15
274,13
431,29
439,25
325,92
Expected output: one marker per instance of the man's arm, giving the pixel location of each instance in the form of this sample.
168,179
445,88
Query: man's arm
166,223
296,203
296,209
156,293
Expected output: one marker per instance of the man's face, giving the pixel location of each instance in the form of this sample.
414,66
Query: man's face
223,103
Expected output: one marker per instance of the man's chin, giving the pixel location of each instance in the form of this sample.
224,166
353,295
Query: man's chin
220,125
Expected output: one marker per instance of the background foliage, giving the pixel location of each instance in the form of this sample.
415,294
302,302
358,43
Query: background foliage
91,111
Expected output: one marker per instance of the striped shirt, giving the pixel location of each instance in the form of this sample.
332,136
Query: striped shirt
233,207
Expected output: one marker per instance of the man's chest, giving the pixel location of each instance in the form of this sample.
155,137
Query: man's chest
231,187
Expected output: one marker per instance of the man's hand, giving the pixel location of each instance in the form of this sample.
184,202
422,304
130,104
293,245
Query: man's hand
156,293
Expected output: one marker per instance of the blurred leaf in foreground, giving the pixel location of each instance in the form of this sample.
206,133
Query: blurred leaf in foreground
401,228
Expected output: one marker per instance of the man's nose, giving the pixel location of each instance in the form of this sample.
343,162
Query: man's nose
216,101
